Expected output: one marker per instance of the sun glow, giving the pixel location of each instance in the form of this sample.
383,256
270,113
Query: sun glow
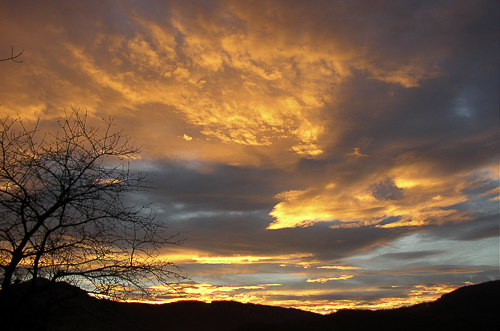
273,294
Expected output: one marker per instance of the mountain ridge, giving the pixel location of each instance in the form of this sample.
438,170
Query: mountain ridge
61,306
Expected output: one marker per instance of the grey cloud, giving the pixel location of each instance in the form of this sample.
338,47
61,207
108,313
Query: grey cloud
409,255
387,191
220,187
483,226
245,234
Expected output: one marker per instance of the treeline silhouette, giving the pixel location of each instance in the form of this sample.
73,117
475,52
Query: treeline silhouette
61,306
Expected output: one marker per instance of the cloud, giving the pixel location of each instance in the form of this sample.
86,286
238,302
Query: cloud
208,293
324,280
342,128
410,255
239,74
339,267
409,190
185,257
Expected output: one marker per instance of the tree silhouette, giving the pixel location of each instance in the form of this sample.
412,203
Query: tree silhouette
63,214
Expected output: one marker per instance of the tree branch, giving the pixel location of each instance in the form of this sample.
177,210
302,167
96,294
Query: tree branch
13,57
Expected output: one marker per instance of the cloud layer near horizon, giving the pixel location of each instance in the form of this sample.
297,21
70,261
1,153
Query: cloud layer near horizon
293,133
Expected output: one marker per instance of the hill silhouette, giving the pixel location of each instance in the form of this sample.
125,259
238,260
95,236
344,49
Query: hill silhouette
61,306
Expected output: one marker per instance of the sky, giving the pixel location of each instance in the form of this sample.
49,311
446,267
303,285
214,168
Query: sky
313,154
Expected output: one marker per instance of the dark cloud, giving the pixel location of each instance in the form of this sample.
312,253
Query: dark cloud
483,226
218,187
387,191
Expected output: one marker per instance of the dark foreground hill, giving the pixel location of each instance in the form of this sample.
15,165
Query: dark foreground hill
61,306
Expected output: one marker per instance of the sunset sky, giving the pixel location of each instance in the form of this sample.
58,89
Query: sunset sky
314,154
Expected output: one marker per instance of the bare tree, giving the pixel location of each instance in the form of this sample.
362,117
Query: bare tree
63,215
13,57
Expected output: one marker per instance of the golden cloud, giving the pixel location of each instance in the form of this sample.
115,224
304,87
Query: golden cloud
339,267
324,280
208,293
273,294
233,73
410,192
194,257
225,91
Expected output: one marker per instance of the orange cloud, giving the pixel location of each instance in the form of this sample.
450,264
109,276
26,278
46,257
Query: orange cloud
274,294
260,101
232,73
339,267
189,257
324,280
208,293
412,193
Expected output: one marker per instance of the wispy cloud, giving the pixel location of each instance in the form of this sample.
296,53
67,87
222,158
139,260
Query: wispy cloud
324,280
